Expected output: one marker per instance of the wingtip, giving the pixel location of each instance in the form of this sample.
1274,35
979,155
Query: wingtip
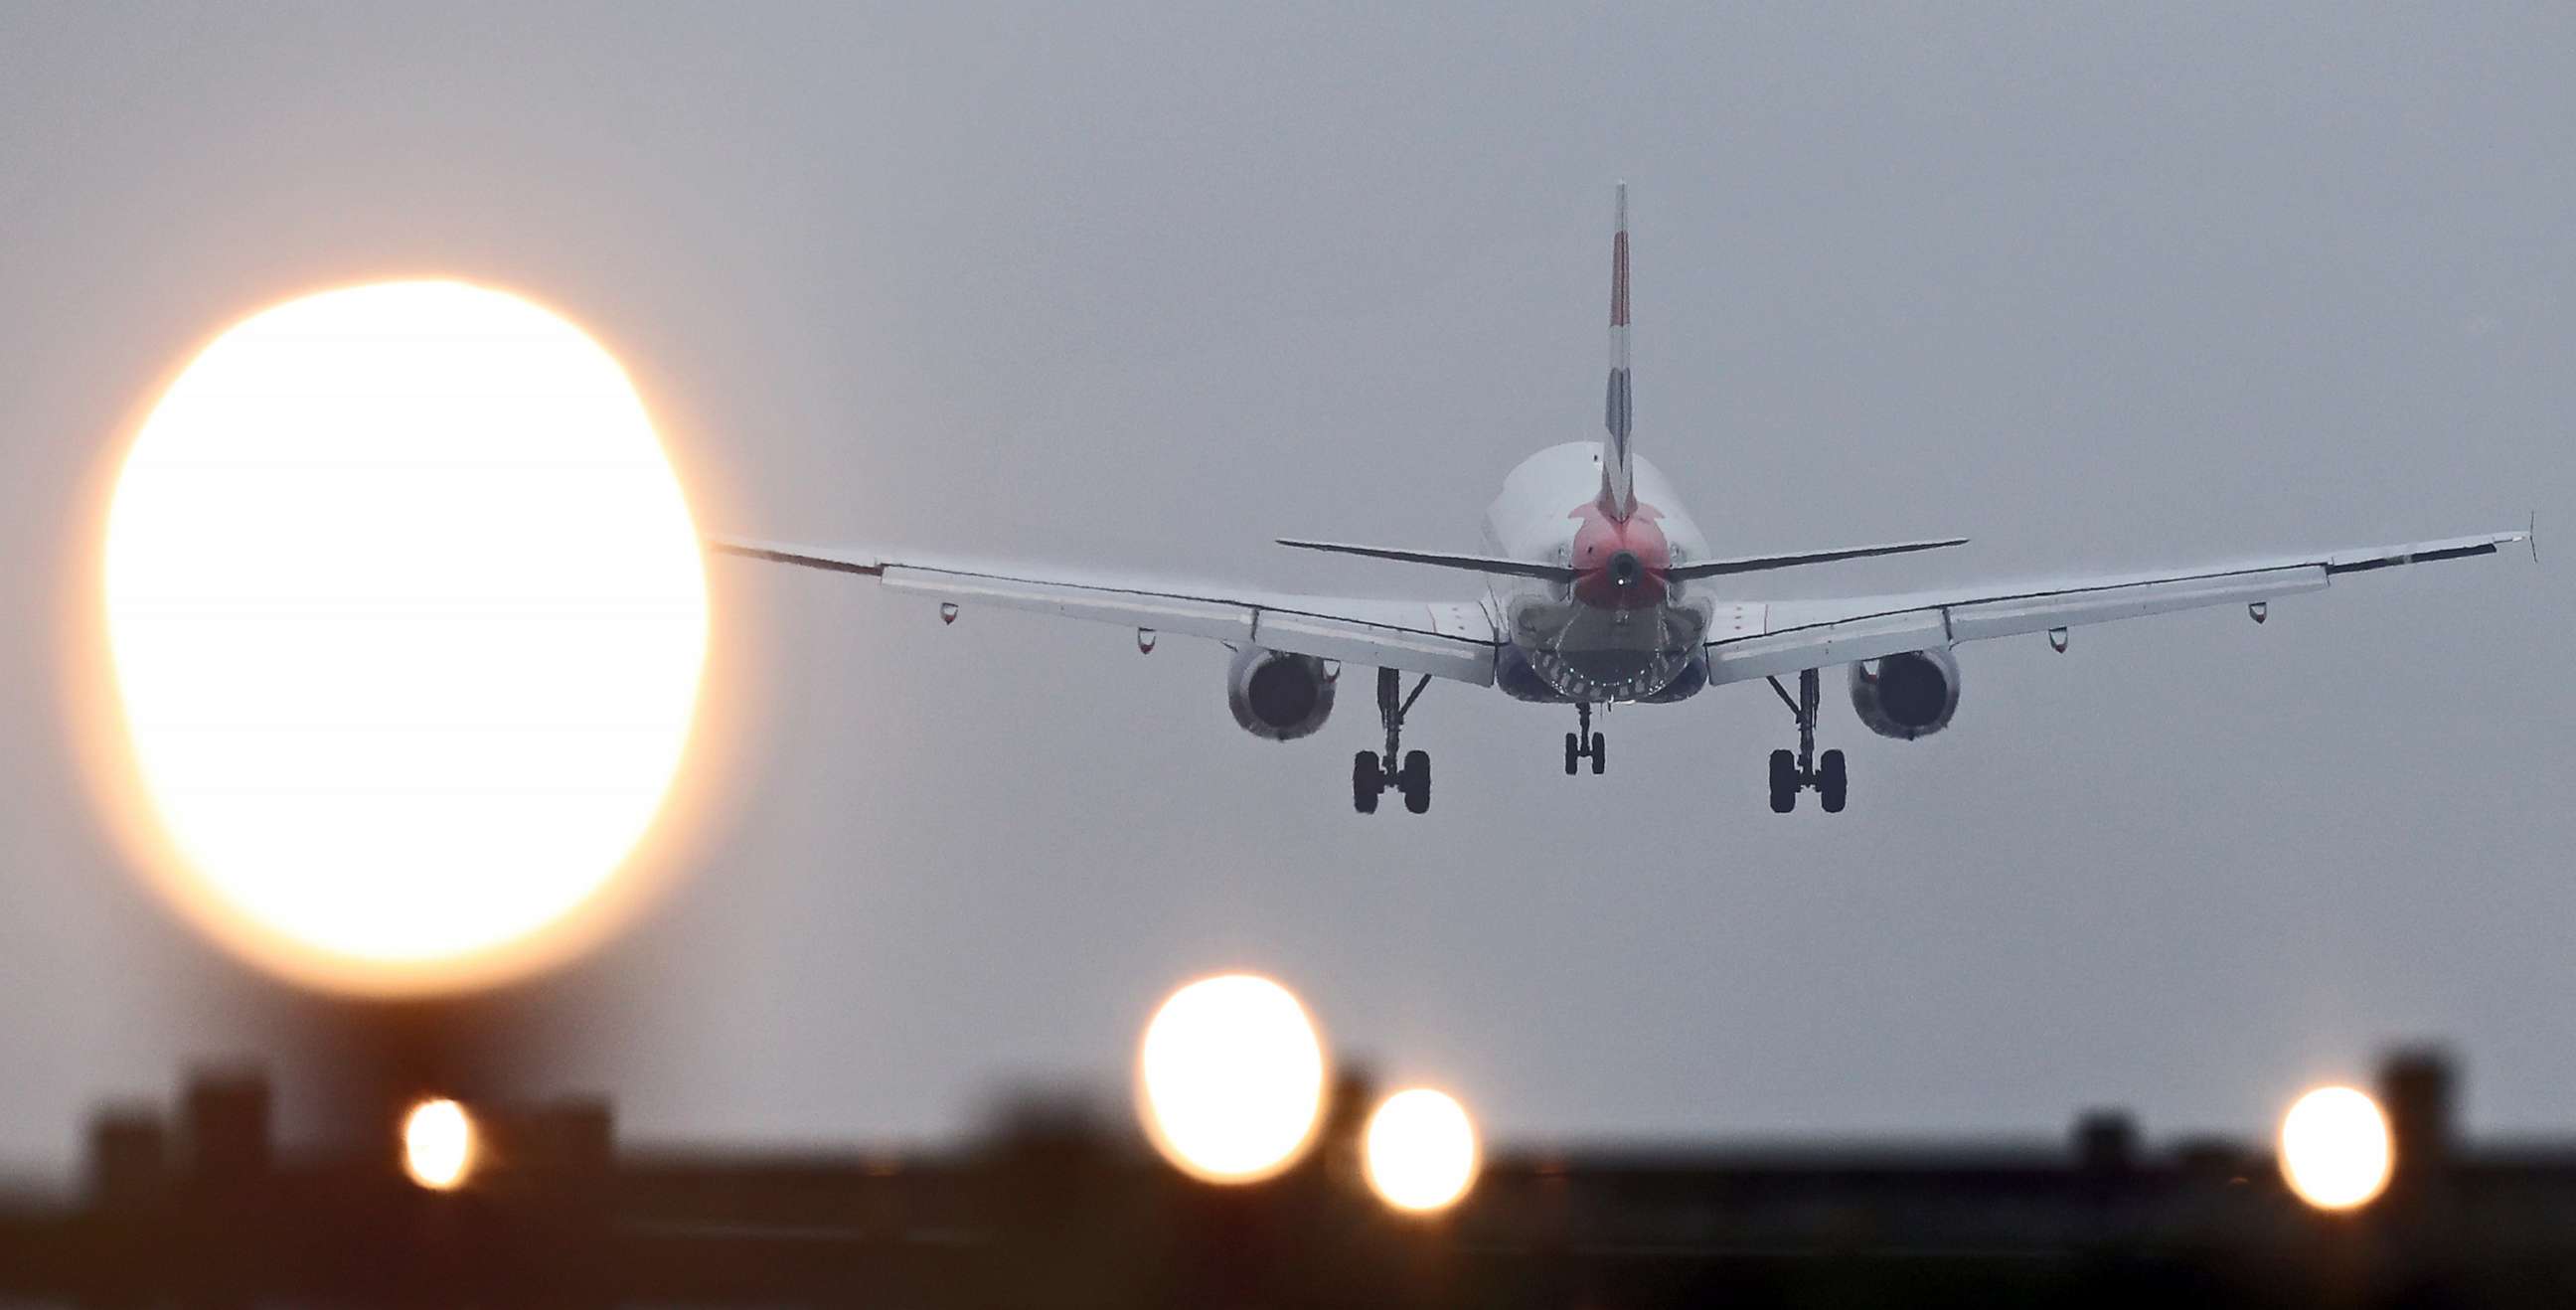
728,544
1311,543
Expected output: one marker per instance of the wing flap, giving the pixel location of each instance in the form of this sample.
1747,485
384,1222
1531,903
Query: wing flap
1797,635
1383,647
1850,641
1176,614
1453,641
2004,618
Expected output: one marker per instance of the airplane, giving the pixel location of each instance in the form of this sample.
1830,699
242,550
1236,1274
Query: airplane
1599,590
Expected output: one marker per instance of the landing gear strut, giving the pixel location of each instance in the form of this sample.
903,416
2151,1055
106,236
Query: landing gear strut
1584,743
1373,775
1793,773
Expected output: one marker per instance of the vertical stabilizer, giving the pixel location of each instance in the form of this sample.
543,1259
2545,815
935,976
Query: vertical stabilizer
1618,478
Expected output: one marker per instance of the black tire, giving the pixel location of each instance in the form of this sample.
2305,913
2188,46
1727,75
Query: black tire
1416,781
1573,752
1367,780
1600,755
1784,782
1833,784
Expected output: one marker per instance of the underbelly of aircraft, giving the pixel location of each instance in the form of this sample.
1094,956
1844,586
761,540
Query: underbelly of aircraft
1568,651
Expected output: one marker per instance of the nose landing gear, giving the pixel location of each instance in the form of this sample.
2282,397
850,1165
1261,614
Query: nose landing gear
1373,775
1793,773
1584,743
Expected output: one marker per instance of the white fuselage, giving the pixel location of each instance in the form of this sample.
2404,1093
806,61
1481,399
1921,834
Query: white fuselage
1621,631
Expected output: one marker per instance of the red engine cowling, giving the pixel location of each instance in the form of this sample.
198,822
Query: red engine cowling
1907,696
1279,696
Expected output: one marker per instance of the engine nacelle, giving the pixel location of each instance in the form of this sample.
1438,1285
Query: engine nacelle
1279,696
1907,696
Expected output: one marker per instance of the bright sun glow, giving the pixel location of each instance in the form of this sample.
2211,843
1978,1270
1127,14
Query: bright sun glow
1420,1152
1231,1078
407,615
2335,1148
438,1145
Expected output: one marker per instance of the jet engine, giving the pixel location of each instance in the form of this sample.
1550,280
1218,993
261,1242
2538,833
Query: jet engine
1279,696
1907,696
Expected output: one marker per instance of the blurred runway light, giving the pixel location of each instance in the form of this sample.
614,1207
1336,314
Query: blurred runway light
438,1145
2335,1148
1420,1151
406,615
1230,1079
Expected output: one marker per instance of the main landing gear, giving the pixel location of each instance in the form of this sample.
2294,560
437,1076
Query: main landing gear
1584,743
1793,773
1373,775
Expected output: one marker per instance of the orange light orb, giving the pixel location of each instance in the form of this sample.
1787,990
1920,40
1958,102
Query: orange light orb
438,1145
2336,1152
1420,1151
1230,1079
406,615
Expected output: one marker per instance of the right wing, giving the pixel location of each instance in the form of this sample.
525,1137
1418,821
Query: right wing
1789,636
1442,639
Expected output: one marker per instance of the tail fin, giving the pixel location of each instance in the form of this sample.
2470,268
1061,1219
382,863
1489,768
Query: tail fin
1618,478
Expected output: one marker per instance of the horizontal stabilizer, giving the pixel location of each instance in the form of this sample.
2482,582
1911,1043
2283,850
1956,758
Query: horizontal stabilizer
1713,568
1444,559
1707,568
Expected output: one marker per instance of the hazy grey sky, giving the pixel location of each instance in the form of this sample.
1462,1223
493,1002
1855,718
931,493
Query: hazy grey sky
1146,287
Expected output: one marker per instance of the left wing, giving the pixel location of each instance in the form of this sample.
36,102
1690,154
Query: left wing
1443,639
1768,639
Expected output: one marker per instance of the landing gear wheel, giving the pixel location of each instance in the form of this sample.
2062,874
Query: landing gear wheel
1415,782
1372,773
1795,771
1583,743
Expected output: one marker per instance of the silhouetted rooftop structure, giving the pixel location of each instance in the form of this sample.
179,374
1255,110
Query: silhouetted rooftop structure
1057,1207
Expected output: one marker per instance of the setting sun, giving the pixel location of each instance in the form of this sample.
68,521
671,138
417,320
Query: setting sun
406,616
2335,1148
1231,1078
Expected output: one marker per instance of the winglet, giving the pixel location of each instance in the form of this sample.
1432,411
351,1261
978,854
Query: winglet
1618,477
2531,534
